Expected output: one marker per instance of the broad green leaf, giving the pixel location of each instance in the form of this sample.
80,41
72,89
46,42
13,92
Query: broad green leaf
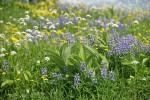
82,53
26,77
7,82
103,58
57,59
89,58
67,52
145,60
91,50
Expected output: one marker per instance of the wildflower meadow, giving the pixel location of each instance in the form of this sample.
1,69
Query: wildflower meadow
57,51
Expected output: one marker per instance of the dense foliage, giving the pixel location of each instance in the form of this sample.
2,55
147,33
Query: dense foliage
54,51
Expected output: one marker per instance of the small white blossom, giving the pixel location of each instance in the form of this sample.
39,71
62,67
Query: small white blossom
73,14
69,23
38,61
41,17
26,12
94,7
49,23
134,62
88,15
109,24
14,19
79,18
17,45
83,19
114,25
131,76
29,36
21,19
54,12
35,27
144,79
2,36
10,17
19,33
23,23
8,23
3,49
29,30
13,53
27,17
1,21
2,55
52,26
45,27
47,58
136,22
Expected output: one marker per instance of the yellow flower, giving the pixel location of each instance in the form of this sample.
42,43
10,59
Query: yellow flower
64,28
59,32
141,55
139,34
15,40
44,78
86,24
102,30
6,53
18,79
3,73
106,49
91,29
32,80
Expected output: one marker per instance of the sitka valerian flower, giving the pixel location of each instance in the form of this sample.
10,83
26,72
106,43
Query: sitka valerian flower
13,52
47,58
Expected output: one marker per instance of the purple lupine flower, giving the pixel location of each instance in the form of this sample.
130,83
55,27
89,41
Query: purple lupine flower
116,37
94,81
110,53
148,49
104,72
90,73
83,66
113,30
110,43
111,75
57,76
70,38
65,70
76,79
45,38
44,72
5,66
